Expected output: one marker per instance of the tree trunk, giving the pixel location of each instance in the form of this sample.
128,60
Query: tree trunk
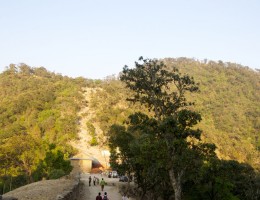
29,176
176,183
11,183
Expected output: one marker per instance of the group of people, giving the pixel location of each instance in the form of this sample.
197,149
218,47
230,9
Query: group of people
95,180
99,197
102,184
105,197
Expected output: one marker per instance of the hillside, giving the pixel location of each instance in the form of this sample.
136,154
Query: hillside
45,117
228,102
38,117
89,143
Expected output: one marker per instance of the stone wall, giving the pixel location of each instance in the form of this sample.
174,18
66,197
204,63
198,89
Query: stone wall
7,198
73,193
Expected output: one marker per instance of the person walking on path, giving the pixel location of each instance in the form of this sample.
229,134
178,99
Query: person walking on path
89,181
102,183
124,197
105,196
99,196
94,181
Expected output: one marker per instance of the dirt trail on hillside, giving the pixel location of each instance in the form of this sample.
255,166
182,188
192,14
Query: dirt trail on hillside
83,146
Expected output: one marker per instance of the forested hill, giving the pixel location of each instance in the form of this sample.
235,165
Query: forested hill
38,115
229,102
39,103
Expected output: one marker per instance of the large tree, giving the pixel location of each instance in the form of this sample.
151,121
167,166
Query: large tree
168,138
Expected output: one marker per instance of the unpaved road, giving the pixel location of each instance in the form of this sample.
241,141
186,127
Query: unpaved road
90,192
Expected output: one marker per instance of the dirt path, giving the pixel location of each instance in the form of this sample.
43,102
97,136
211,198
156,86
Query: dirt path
90,192
83,143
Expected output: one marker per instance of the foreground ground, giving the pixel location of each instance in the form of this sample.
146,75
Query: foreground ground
49,189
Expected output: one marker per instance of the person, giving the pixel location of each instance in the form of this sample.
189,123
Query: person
124,197
89,180
102,183
105,196
94,181
98,197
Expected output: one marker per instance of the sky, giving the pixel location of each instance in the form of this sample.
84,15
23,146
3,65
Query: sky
96,38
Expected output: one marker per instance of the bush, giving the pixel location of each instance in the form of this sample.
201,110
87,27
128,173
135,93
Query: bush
56,173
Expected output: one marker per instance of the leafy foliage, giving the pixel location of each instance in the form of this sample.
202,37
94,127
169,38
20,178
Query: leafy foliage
228,101
37,108
92,132
55,164
176,155
165,136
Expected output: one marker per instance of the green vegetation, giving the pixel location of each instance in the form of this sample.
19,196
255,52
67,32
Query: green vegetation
38,109
179,162
228,101
92,132
38,116
229,104
55,165
163,137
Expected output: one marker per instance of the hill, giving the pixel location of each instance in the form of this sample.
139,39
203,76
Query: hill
42,112
228,102
38,116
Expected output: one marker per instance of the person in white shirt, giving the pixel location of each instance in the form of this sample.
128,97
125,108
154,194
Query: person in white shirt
124,197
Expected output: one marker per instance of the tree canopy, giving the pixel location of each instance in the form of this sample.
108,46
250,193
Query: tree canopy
228,101
173,145
32,117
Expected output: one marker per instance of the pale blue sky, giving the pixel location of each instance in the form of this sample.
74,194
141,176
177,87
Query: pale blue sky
94,38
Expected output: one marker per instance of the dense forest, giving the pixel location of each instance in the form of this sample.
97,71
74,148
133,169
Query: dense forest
228,101
162,143
38,117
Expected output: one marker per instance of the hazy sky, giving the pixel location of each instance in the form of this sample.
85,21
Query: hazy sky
94,38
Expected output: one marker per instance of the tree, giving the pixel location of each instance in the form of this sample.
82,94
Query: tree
177,144
21,152
163,91
55,164
32,115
